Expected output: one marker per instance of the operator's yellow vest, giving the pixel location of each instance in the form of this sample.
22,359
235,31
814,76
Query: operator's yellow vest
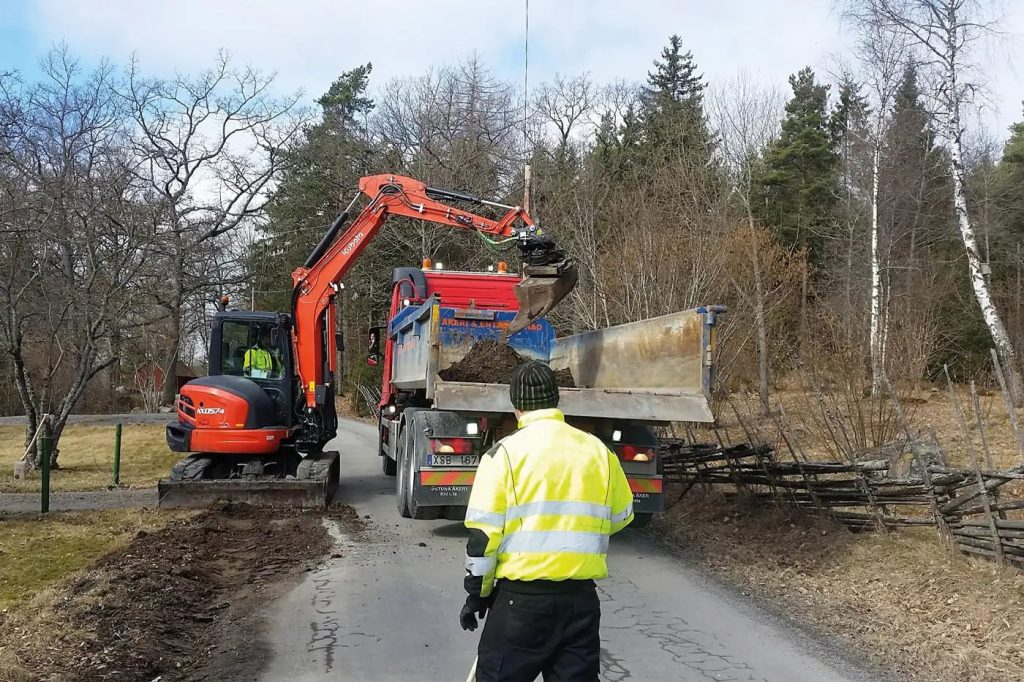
258,359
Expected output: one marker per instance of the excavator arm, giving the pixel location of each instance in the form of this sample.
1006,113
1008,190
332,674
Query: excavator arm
549,275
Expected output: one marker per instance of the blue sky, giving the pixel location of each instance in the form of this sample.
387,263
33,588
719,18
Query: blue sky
309,42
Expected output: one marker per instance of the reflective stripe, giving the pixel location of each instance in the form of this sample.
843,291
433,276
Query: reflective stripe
485,517
480,565
598,511
553,541
623,515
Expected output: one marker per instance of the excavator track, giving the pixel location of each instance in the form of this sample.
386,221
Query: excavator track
313,485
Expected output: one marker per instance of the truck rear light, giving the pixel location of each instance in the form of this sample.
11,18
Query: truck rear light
637,453
451,446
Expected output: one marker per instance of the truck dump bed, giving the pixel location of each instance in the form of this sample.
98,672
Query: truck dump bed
655,370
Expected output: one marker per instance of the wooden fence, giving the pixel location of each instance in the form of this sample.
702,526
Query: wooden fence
969,507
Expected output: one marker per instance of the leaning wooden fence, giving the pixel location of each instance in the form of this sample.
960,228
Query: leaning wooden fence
965,505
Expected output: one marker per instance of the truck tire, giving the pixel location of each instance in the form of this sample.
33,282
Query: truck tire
401,488
388,466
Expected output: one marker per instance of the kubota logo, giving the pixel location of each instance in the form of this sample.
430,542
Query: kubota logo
211,410
352,244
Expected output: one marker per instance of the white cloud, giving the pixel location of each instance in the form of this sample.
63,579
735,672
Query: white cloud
308,43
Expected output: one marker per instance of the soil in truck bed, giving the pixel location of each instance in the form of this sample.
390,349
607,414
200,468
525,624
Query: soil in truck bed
492,362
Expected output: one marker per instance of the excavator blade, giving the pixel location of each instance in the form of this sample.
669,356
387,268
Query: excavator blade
313,486
259,493
541,290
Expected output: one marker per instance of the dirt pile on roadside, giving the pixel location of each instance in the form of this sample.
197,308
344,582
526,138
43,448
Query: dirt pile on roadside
898,598
492,362
173,603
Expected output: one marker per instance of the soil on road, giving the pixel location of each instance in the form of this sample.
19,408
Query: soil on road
385,607
186,602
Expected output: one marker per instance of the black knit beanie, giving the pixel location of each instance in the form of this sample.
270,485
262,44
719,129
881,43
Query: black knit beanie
533,387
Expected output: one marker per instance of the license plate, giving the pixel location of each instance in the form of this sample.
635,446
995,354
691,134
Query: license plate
453,460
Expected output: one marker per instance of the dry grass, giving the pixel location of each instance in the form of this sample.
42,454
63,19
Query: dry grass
40,550
87,457
901,599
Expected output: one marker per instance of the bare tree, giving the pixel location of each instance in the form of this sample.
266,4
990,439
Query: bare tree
746,117
77,234
208,148
565,105
944,31
458,127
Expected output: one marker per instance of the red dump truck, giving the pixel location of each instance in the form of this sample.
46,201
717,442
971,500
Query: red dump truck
630,379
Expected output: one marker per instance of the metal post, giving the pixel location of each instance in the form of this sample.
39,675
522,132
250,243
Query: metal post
44,449
117,454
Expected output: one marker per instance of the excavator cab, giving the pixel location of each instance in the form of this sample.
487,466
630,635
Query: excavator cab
255,345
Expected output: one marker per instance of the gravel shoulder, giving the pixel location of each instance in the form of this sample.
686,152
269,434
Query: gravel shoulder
902,601
28,503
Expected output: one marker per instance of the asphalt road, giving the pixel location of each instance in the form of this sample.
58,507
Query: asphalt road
385,607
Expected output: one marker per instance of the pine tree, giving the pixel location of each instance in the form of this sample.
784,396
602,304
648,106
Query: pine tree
849,118
345,98
673,118
915,191
798,178
1010,181
675,78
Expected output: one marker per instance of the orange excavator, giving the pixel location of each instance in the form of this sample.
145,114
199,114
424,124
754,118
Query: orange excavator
258,424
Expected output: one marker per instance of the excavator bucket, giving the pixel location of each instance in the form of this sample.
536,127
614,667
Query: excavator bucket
540,291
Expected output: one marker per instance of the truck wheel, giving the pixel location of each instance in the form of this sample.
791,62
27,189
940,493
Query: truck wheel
388,466
641,520
401,489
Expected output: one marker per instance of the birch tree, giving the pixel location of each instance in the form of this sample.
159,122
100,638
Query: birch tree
944,32
883,55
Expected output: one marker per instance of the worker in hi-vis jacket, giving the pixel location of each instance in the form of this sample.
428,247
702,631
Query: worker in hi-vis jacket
544,503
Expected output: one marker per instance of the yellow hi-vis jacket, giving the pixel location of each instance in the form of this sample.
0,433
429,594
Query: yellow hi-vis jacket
544,502
259,359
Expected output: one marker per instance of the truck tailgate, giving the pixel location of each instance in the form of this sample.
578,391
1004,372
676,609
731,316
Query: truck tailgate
639,405
657,370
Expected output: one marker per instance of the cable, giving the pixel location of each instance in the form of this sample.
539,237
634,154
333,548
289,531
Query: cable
526,75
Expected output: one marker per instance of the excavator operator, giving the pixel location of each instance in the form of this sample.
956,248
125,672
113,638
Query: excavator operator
259,361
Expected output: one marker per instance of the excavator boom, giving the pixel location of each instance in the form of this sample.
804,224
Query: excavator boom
549,274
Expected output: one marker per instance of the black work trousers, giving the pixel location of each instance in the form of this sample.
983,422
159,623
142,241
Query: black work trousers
541,627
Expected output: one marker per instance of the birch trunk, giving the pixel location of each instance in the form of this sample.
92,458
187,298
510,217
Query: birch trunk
1000,337
877,364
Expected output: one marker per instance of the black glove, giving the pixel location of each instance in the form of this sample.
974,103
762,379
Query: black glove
474,606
